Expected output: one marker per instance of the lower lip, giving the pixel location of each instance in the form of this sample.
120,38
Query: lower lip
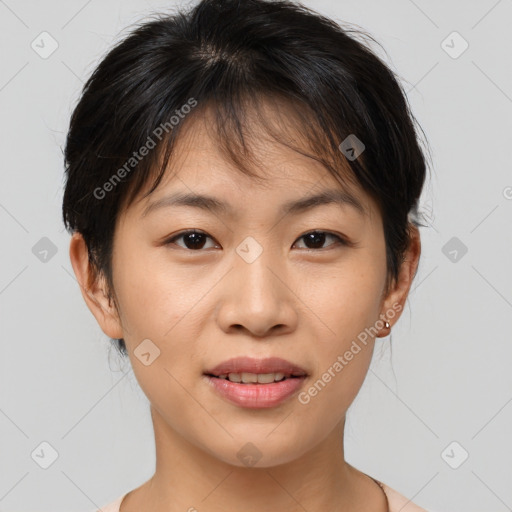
256,396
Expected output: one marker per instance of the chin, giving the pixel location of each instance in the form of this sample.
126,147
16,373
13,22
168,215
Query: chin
259,450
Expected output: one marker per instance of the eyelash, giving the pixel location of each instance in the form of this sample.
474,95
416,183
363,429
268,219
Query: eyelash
340,240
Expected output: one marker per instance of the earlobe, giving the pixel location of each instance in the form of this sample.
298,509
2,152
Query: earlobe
93,288
394,303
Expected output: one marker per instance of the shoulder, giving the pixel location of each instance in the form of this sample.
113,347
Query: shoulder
112,506
397,502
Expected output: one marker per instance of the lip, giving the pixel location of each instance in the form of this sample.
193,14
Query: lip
252,365
256,396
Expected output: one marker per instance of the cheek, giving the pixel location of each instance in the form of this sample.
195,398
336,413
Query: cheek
345,299
160,303
153,295
346,304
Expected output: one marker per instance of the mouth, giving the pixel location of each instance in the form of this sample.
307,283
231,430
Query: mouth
256,383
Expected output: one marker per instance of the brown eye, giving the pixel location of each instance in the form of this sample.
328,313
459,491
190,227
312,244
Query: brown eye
316,239
193,239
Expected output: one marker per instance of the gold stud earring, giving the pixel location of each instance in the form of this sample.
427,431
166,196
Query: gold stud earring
387,325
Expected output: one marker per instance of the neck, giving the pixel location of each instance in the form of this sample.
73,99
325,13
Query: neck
188,478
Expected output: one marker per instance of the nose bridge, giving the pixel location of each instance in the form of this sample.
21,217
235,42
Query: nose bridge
256,262
256,297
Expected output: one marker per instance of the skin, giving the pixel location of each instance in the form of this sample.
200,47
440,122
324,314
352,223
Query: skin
203,306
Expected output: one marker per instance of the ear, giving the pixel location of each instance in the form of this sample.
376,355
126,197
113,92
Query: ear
395,300
93,288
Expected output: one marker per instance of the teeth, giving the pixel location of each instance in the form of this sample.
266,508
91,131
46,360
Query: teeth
249,378
252,378
265,378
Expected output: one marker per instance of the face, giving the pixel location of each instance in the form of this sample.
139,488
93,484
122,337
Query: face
253,280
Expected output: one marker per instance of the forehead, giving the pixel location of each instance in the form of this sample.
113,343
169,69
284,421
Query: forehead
202,173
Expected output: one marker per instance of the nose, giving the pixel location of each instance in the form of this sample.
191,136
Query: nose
258,298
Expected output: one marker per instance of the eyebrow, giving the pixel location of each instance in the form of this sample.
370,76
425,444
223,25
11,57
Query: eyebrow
210,203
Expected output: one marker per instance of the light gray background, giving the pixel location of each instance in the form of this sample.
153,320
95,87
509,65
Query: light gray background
448,375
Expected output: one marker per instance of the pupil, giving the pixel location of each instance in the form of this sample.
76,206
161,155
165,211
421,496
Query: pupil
316,237
197,243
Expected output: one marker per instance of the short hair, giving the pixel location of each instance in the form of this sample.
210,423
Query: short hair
229,56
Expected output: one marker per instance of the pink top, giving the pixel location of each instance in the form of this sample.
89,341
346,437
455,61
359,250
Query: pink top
397,503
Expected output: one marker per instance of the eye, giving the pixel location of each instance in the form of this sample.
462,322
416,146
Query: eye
194,240
317,238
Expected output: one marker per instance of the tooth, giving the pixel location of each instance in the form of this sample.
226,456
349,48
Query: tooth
223,376
265,378
235,377
249,377
278,376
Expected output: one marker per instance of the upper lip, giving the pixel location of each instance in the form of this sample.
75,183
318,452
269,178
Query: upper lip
251,365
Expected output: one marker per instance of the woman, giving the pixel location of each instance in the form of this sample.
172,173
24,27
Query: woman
242,187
